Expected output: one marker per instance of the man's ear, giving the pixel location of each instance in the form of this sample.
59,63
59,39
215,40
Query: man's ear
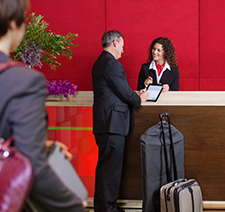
115,42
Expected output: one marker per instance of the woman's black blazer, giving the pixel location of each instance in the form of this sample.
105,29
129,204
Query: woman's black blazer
170,77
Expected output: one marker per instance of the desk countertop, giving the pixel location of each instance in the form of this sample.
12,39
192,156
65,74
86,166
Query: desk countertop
171,98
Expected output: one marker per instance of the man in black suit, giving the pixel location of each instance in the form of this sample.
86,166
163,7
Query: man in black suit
114,101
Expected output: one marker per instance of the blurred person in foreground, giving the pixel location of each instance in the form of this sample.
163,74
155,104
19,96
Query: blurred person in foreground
161,67
23,113
114,102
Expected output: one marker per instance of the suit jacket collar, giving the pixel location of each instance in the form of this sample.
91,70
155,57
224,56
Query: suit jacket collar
152,66
108,53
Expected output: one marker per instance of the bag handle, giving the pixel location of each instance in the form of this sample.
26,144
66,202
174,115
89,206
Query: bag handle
5,148
161,116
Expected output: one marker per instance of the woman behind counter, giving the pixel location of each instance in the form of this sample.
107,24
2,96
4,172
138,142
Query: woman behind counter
161,67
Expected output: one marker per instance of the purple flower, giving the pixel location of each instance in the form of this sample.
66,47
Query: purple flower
31,55
61,87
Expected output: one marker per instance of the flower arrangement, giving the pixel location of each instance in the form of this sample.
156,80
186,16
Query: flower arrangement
61,87
41,45
31,55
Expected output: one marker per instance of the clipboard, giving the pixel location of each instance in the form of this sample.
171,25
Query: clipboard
65,171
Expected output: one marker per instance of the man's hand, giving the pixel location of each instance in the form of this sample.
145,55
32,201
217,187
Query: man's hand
143,95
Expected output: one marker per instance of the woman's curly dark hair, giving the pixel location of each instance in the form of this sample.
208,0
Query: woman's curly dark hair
169,51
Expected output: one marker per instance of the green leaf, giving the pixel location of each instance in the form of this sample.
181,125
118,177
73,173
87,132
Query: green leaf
54,45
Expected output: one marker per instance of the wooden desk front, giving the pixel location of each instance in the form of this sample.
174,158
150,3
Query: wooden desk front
200,116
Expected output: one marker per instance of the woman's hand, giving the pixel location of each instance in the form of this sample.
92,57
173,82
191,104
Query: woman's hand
84,203
63,147
166,87
148,81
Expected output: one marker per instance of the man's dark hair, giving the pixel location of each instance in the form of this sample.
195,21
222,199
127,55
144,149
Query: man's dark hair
12,10
109,36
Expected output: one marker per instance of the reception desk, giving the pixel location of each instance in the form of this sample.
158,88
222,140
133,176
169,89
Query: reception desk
199,116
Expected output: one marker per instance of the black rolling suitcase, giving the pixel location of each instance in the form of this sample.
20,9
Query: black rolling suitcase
153,162
180,195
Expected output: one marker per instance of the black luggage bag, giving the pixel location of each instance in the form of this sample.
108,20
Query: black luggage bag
181,195
153,162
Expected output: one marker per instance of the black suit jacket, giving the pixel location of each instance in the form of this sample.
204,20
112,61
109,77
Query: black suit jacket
170,77
113,97
23,116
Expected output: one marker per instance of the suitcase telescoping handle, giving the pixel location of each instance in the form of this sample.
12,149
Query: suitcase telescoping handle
168,174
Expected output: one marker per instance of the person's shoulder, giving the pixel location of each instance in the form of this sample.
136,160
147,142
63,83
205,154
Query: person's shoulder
145,66
25,77
103,58
113,66
174,68
114,63
23,72
103,61
105,55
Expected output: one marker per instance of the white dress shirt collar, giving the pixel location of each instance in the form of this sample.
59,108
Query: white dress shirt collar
153,66
110,53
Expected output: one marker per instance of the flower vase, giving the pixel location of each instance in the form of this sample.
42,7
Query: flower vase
52,97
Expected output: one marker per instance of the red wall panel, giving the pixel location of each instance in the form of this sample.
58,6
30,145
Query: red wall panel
73,127
142,21
212,44
194,27
87,18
